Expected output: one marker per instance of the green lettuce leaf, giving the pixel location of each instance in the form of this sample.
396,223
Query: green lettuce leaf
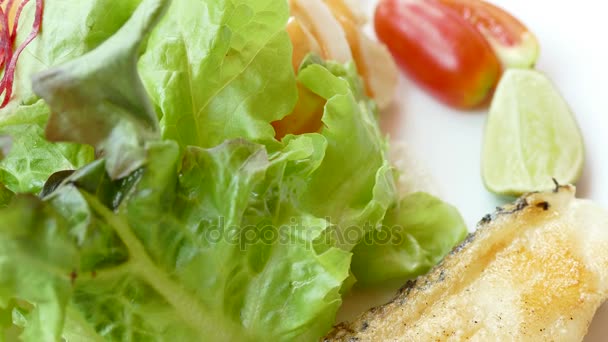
414,237
27,224
353,185
220,69
6,143
32,159
183,255
6,196
10,332
91,105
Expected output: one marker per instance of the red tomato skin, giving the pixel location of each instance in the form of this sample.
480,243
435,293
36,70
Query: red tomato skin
439,50
485,16
512,41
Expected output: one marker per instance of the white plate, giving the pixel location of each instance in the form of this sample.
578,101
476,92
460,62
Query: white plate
575,56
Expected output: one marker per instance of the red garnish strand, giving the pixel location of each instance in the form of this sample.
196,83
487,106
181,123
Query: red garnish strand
8,35
5,48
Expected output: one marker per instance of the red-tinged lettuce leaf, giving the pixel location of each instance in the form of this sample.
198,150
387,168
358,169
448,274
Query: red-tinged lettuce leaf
62,40
33,158
98,98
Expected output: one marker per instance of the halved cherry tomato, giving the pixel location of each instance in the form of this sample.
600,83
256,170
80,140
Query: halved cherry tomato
513,43
439,49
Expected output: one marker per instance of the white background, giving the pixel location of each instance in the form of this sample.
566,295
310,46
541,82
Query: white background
574,54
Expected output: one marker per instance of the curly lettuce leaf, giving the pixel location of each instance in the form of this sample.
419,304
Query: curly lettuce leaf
5,196
353,185
6,143
32,159
184,255
27,236
220,69
91,105
90,23
414,237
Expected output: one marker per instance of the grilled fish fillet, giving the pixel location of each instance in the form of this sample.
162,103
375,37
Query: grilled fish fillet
536,270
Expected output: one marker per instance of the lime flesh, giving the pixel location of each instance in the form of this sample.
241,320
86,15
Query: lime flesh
531,137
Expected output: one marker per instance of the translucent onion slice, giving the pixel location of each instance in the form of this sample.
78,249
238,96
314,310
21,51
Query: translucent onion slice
303,42
350,8
320,21
374,62
382,75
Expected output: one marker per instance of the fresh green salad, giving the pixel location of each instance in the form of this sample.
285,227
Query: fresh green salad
144,197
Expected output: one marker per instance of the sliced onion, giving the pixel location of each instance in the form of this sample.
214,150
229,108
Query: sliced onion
382,72
303,42
318,18
5,46
350,8
16,19
9,59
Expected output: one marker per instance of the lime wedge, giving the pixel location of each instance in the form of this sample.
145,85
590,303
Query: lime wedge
531,137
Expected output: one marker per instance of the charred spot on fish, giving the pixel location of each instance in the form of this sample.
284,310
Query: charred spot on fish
557,186
441,276
544,205
407,288
520,205
343,328
464,243
364,326
426,285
